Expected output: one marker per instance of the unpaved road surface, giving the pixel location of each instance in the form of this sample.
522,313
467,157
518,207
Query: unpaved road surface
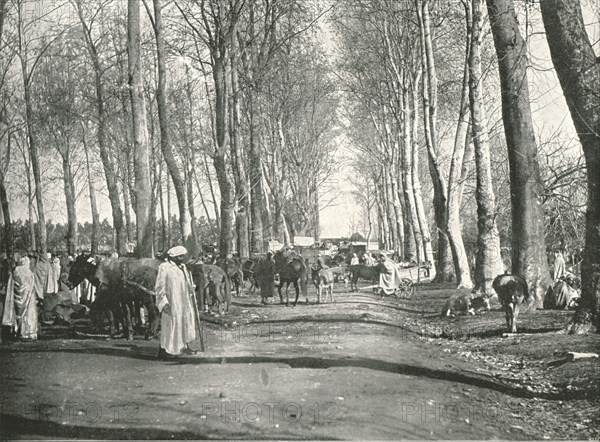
361,368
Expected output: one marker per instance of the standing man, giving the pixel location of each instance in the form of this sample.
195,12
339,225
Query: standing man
174,288
56,269
45,282
20,310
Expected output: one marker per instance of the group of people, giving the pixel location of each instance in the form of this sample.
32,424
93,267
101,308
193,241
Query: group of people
32,280
28,284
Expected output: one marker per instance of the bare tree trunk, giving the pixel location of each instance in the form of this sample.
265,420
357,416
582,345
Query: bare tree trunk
163,216
30,197
488,263
455,189
35,157
219,159
93,203
126,202
165,139
578,69
256,185
529,259
190,195
8,234
107,163
444,268
407,177
383,219
398,215
143,193
427,249
69,187
241,182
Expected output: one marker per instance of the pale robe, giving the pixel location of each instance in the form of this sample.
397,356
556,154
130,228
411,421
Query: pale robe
45,282
389,277
174,286
20,307
354,261
56,269
559,267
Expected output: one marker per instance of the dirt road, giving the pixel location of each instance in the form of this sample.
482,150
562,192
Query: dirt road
361,368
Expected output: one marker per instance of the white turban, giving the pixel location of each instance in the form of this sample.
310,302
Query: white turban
177,251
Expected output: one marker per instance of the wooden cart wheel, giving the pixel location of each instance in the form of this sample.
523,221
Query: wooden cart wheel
406,289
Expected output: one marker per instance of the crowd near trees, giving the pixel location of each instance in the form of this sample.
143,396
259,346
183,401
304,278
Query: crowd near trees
204,121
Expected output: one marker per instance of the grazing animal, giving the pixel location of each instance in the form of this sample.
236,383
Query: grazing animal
213,285
465,303
512,292
323,280
292,270
370,273
121,284
233,268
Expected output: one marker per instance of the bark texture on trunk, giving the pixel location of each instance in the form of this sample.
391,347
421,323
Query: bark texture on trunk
457,246
529,259
93,202
488,262
107,162
69,187
185,223
429,93
239,167
219,158
143,188
408,182
578,69
35,159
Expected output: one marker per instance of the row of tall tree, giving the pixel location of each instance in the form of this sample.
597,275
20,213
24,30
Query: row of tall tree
228,105
393,58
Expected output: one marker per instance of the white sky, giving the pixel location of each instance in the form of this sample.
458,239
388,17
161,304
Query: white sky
548,105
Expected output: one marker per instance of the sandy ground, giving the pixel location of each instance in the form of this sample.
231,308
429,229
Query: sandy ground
363,367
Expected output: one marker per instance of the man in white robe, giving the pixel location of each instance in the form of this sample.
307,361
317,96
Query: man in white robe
20,309
389,275
45,282
559,266
174,289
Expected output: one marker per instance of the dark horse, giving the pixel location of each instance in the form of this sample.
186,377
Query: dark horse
370,273
292,270
120,283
